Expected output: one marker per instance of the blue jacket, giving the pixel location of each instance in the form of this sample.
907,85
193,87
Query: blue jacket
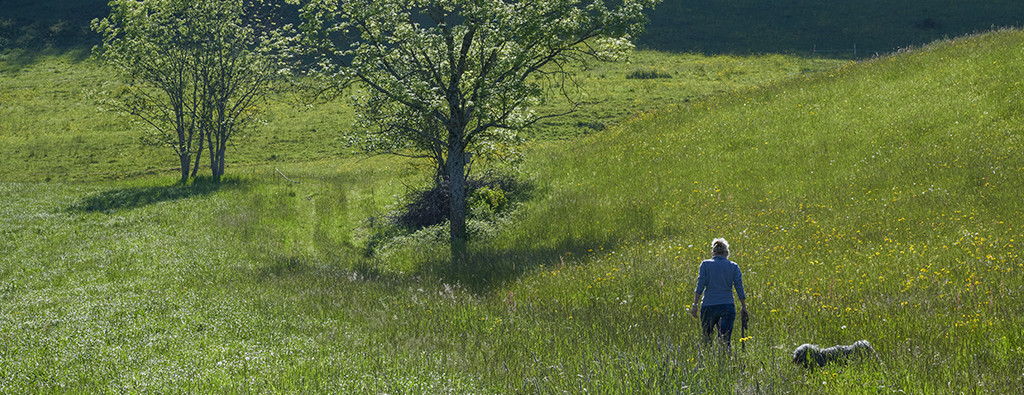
716,278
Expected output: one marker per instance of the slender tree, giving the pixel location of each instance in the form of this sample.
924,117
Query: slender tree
443,79
195,70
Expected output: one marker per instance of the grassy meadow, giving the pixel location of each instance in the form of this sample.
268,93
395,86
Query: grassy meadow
877,200
55,127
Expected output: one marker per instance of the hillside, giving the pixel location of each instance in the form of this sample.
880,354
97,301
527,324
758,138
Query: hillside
878,201
55,128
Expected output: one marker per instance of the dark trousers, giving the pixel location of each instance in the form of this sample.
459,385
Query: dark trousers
718,316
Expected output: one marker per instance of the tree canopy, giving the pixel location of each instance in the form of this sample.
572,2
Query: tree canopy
195,70
441,79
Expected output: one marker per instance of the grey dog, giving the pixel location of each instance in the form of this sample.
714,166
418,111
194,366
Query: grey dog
811,353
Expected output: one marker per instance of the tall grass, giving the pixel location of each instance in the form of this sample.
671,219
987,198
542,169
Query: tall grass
875,201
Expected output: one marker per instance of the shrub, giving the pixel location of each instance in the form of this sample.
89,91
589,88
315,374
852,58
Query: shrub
421,219
486,202
428,207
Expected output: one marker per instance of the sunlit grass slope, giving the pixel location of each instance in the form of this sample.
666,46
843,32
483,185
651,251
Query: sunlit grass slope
879,201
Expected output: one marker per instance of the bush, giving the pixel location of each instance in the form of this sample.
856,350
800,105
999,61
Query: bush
486,202
422,219
424,208
488,195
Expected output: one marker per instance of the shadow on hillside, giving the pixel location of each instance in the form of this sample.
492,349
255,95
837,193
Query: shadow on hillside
128,198
272,267
488,269
17,59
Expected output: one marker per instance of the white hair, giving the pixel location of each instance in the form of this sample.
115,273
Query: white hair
720,247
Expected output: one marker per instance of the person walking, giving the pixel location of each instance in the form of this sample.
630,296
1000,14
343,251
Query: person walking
716,279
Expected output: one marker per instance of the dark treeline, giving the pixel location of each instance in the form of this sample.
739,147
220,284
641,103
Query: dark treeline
832,28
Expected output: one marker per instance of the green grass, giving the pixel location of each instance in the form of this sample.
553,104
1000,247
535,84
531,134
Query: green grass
877,201
54,127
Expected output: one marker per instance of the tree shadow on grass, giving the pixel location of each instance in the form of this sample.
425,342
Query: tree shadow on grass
129,198
487,269
272,267
283,265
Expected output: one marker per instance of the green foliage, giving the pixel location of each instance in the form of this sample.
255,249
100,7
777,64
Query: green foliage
448,79
418,220
485,202
195,71
53,128
467,70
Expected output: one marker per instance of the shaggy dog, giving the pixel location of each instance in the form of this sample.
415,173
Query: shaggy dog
809,354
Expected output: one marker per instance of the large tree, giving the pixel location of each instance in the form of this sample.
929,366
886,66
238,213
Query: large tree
442,79
195,70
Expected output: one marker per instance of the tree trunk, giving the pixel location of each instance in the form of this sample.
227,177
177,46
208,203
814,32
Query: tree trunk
199,155
218,146
184,146
441,173
213,141
185,162
221,150
215,165
457,203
